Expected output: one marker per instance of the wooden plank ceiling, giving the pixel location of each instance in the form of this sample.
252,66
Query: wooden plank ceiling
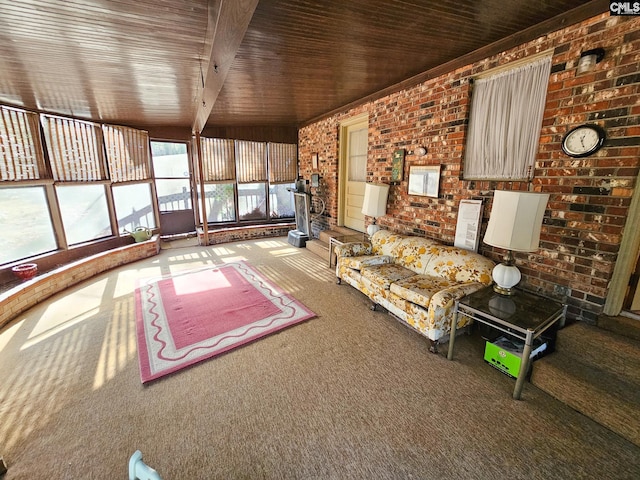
159,63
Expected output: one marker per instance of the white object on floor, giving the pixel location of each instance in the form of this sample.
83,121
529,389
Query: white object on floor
138,470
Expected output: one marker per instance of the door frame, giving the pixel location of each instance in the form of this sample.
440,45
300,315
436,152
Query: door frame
626,261
184,216
342,160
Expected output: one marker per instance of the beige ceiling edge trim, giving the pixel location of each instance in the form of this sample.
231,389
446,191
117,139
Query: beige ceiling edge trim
514,64
231,22
578,14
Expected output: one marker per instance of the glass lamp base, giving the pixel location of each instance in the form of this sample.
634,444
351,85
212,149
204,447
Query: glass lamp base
505,278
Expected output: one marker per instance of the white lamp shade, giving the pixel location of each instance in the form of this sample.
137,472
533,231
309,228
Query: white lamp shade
375,199
516,220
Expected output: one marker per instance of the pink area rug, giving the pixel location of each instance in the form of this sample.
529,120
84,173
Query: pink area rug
192,316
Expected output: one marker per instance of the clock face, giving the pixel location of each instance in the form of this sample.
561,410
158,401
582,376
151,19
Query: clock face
583,140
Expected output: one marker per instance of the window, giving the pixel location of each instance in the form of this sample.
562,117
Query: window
505,122
26,225
75,149
171,169
129,161
251,162
127,153
283,172
283,162
218,157
134,207
20,147
281,201
90,172
84,212
220,203
358,155
258,177
252,201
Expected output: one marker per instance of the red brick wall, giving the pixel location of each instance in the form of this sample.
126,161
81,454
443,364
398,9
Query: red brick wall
234,234
590,197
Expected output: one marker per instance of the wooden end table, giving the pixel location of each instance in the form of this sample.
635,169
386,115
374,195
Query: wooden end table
524,316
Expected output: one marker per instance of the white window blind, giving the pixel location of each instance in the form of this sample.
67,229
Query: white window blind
251,161
218,159
21,154
75,149
505,122
127,153
283,162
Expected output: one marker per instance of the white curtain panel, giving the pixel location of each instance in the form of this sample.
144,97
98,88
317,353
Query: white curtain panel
505,122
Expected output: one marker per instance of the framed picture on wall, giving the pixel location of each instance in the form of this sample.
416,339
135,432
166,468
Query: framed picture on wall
397,166
424,180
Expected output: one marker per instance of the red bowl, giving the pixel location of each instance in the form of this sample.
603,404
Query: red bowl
26,271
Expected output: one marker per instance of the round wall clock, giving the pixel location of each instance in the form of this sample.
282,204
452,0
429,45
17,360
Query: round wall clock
584,140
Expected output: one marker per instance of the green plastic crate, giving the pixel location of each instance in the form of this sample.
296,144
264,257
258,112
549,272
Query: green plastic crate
505,354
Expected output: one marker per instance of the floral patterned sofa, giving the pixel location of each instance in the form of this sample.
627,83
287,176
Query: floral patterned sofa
414,278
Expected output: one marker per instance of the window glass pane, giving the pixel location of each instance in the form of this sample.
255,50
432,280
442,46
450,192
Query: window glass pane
133,206
220,202
84,211
170,160
281,200
26,224
173,195
358,155
252,201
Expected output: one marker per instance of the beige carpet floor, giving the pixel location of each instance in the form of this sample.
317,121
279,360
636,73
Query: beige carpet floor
351,394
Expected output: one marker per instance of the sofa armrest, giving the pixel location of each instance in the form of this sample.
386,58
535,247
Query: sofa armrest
442,305
353,249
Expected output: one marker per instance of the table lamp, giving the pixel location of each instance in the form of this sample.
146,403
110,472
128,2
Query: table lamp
514,225
375,203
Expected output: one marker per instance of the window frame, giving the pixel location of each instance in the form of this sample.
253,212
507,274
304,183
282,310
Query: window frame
507,153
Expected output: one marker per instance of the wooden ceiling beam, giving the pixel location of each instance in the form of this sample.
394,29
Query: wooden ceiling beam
227,24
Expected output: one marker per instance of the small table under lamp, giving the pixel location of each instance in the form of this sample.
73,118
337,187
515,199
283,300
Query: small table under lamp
375,203
514,224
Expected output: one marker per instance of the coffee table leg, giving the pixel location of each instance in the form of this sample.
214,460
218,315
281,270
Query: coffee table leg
452,335
524,365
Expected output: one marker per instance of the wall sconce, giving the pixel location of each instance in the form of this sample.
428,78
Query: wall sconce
420,151
588,60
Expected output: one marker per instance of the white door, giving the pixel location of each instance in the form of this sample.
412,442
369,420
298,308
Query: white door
354,172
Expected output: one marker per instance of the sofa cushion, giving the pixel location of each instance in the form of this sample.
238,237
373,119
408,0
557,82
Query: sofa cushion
364,260
415,253
386,274
419,289
385,242
459,265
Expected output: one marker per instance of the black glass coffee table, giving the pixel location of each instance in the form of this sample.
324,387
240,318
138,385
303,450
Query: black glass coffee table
524,316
